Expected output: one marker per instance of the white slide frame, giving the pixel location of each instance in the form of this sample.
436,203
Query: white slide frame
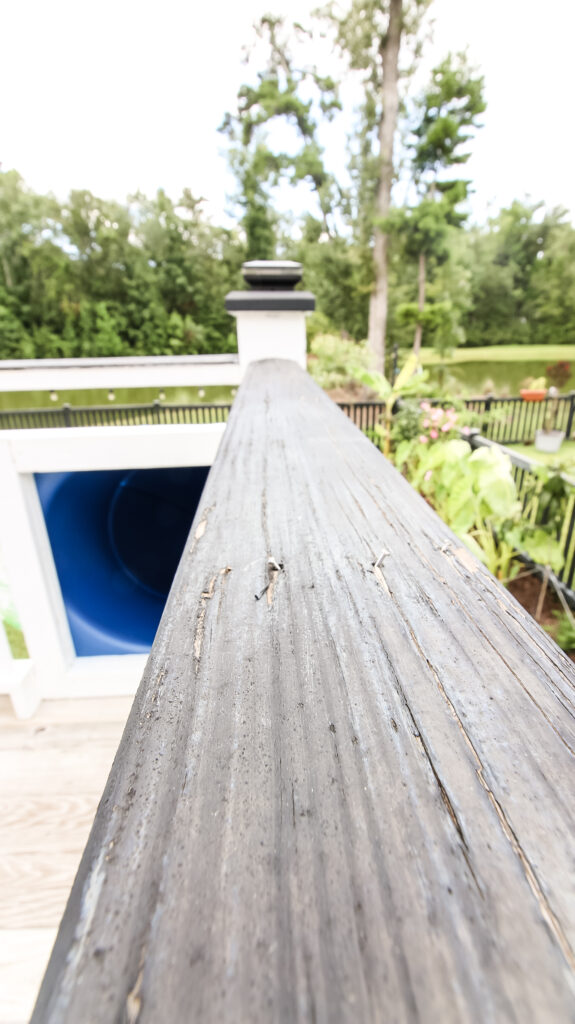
53,669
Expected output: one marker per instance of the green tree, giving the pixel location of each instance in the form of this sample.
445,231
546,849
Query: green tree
94,277
299,96
446,116
518,285
552,283
370,36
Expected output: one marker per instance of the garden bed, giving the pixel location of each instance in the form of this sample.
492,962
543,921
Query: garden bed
526,590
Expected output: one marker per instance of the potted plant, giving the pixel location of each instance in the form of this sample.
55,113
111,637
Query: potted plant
536,391
548,439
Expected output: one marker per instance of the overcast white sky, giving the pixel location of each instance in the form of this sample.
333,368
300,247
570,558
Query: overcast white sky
128,94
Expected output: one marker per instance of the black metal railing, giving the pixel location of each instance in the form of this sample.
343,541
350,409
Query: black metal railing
112,416
524,474
513,420
506,420
365,415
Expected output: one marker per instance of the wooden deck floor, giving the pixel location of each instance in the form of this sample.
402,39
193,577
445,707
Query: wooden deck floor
53,769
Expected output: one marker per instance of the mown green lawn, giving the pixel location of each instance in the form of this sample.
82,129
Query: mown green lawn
565,457
501,354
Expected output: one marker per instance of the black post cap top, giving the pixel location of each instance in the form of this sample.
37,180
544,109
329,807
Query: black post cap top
273,275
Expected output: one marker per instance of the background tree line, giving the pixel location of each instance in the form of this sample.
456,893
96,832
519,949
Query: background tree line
95,277
92,277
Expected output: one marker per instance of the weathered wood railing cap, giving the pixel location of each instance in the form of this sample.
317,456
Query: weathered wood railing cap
345,789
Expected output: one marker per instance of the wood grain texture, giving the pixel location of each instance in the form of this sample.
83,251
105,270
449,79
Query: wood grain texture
34,886
22,954
351,799
45,818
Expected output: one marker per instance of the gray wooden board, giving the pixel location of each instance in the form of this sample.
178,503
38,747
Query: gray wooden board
351,799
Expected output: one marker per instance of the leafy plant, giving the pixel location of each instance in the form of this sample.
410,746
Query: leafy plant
412,380
334,361
473,492
538,543
538,384
546,500
496,553
406,425
565,632
416,426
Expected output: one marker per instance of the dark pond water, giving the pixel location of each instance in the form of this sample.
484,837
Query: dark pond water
500,378
120,396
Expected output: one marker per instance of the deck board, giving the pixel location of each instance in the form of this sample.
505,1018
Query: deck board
46,818
351,799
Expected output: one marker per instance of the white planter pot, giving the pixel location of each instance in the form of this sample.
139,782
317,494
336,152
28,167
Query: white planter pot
548,440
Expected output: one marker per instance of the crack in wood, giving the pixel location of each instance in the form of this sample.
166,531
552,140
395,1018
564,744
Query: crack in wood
530,875
467,560
464,846
201,528
134,1000
206,596
517,677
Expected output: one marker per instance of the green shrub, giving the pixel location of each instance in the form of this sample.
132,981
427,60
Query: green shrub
565,635
334,362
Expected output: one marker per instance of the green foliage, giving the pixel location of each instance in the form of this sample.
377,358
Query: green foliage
405,428
15,341
335,271
467,487
91,276
474,492
333,361
411,381
565,631
546,496
447,114
94,278
522,278
538,544
300,96
440,322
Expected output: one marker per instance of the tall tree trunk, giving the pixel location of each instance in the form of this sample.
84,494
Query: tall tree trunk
390,105
420,304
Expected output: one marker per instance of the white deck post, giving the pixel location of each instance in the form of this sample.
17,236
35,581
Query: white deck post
271,315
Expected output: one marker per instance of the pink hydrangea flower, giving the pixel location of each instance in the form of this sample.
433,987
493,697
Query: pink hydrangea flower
466,430
425,422
428,475
423,438
425,406
433,433
446,426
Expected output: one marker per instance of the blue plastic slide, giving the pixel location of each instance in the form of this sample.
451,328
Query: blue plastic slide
117,538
